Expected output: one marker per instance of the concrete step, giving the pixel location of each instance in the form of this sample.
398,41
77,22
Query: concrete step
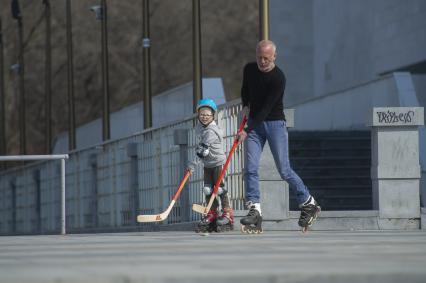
329,152
330,135
335,166
341,161
338,203
335,220
332,170
336,181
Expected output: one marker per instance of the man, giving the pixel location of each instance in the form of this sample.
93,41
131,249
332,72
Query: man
262,95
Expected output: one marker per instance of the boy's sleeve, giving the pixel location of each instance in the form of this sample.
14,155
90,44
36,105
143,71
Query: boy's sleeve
209,137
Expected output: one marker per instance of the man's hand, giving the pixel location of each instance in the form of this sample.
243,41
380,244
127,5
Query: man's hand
241,136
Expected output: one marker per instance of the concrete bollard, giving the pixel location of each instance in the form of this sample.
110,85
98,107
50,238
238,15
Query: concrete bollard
395,168
180,137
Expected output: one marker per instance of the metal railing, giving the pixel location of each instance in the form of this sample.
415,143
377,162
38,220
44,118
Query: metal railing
60,157
109,184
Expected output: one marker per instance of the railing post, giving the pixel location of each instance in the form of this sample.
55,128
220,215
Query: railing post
63,201
13,205
93,163
37,200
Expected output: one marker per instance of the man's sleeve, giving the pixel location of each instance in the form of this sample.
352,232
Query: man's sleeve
272,96
244,88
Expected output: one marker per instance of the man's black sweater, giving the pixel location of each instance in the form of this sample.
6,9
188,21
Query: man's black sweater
263,93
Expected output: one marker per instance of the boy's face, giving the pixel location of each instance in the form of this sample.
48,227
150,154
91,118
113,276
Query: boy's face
205,115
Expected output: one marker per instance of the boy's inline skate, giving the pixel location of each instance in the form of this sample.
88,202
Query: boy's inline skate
208,223
252,223
226,221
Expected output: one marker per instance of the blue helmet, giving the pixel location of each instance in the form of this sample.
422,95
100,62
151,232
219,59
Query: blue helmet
207,102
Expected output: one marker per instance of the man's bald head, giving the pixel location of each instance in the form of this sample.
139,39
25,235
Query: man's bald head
265,55
266,44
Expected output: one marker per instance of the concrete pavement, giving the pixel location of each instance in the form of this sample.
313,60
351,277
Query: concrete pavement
276,256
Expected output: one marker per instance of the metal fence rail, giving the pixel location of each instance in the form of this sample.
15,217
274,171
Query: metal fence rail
109,184
26,187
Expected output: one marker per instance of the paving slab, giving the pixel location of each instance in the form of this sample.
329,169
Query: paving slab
275,256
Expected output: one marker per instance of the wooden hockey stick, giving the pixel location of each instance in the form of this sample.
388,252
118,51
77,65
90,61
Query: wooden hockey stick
162,216
205,209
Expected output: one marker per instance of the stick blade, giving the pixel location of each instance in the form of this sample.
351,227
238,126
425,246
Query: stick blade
150,218
199,208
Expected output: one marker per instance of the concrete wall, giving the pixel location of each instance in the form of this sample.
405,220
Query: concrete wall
346,110
419,82
355,41
342,39
326,46
291,30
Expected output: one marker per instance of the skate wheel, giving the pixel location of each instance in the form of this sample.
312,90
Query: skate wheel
243,229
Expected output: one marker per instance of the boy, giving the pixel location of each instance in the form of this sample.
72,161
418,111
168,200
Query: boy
210,151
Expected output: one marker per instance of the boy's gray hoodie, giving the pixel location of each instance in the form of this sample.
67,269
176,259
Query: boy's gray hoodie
212,136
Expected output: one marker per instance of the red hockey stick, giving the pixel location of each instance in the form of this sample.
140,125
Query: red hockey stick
163,215
205,209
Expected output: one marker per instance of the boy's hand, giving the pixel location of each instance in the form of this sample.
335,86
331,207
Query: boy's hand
202,150
192,165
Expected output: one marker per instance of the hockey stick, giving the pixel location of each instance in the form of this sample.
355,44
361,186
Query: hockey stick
205,209
162,216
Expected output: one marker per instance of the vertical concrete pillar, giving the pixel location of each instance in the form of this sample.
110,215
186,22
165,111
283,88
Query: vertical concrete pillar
181,139
132,152
274,192
395,168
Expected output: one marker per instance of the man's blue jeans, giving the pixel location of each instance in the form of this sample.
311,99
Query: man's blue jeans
275,132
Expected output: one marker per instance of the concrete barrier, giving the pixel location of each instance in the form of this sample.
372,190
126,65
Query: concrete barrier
395,170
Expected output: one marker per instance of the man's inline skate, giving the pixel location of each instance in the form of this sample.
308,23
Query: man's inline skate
252,223
308,214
